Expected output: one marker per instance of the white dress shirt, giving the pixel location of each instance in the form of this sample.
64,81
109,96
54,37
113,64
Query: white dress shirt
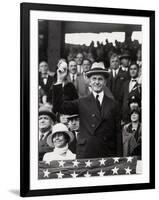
100,98
73,75
132,84
115,72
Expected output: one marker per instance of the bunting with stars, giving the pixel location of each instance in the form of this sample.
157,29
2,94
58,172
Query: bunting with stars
87,167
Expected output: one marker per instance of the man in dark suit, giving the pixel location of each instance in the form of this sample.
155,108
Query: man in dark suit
45,82
72,73
100,132
73,125
46,120
130,88
117,77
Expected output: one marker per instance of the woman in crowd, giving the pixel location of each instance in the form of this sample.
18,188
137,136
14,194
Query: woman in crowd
132,135
59,140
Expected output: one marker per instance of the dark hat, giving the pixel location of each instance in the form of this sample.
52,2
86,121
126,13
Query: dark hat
46,110
98,68
137,110
72,116
124,55
134,99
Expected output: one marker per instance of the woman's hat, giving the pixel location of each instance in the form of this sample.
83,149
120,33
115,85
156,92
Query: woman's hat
46,110
98,68
59,128
134,99
73,116
137,110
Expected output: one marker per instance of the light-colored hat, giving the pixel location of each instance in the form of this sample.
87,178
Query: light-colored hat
46,110
59,128
98,68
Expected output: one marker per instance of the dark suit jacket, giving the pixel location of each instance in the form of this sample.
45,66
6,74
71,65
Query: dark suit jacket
73,144
47,87
44,147
125,95
100,133
115,84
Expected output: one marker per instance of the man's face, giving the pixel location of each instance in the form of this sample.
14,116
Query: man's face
97,83
59,140
73,124
63,119
72,67
114,63
86,65
43,67
133,71
45,122
125,62
79,58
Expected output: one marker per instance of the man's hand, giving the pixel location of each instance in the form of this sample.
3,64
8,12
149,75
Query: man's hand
61,72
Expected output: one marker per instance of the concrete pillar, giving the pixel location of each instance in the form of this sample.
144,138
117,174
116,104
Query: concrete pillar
55,43
128,35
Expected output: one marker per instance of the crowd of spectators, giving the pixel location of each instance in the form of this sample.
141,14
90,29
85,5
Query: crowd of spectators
124,64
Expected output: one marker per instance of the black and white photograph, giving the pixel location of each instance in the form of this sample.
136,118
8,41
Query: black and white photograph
89,84
90,103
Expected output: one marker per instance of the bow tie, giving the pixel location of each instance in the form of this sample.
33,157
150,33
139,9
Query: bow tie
134,80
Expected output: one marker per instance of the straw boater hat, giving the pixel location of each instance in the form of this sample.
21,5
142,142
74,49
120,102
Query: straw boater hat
59,128
46,110
98,68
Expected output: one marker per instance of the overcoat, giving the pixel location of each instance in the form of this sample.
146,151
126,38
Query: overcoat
100,133
44,147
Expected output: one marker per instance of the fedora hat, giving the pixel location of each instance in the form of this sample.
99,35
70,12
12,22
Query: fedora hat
59,127
98,68
46,110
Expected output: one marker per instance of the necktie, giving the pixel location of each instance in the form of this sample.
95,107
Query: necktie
73,78
98,102
41,137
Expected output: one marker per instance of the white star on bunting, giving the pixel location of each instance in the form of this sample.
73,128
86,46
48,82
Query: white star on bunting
101,173
75,163
102,161
47,162
115,170
116,160
46,173
88,163
128,170
87,175
60,175
74,175
61,163
129,159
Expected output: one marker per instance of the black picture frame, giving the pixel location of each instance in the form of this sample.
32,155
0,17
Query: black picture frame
25,9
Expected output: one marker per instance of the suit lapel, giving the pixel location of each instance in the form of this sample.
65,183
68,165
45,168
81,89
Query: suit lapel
105,107
92,104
